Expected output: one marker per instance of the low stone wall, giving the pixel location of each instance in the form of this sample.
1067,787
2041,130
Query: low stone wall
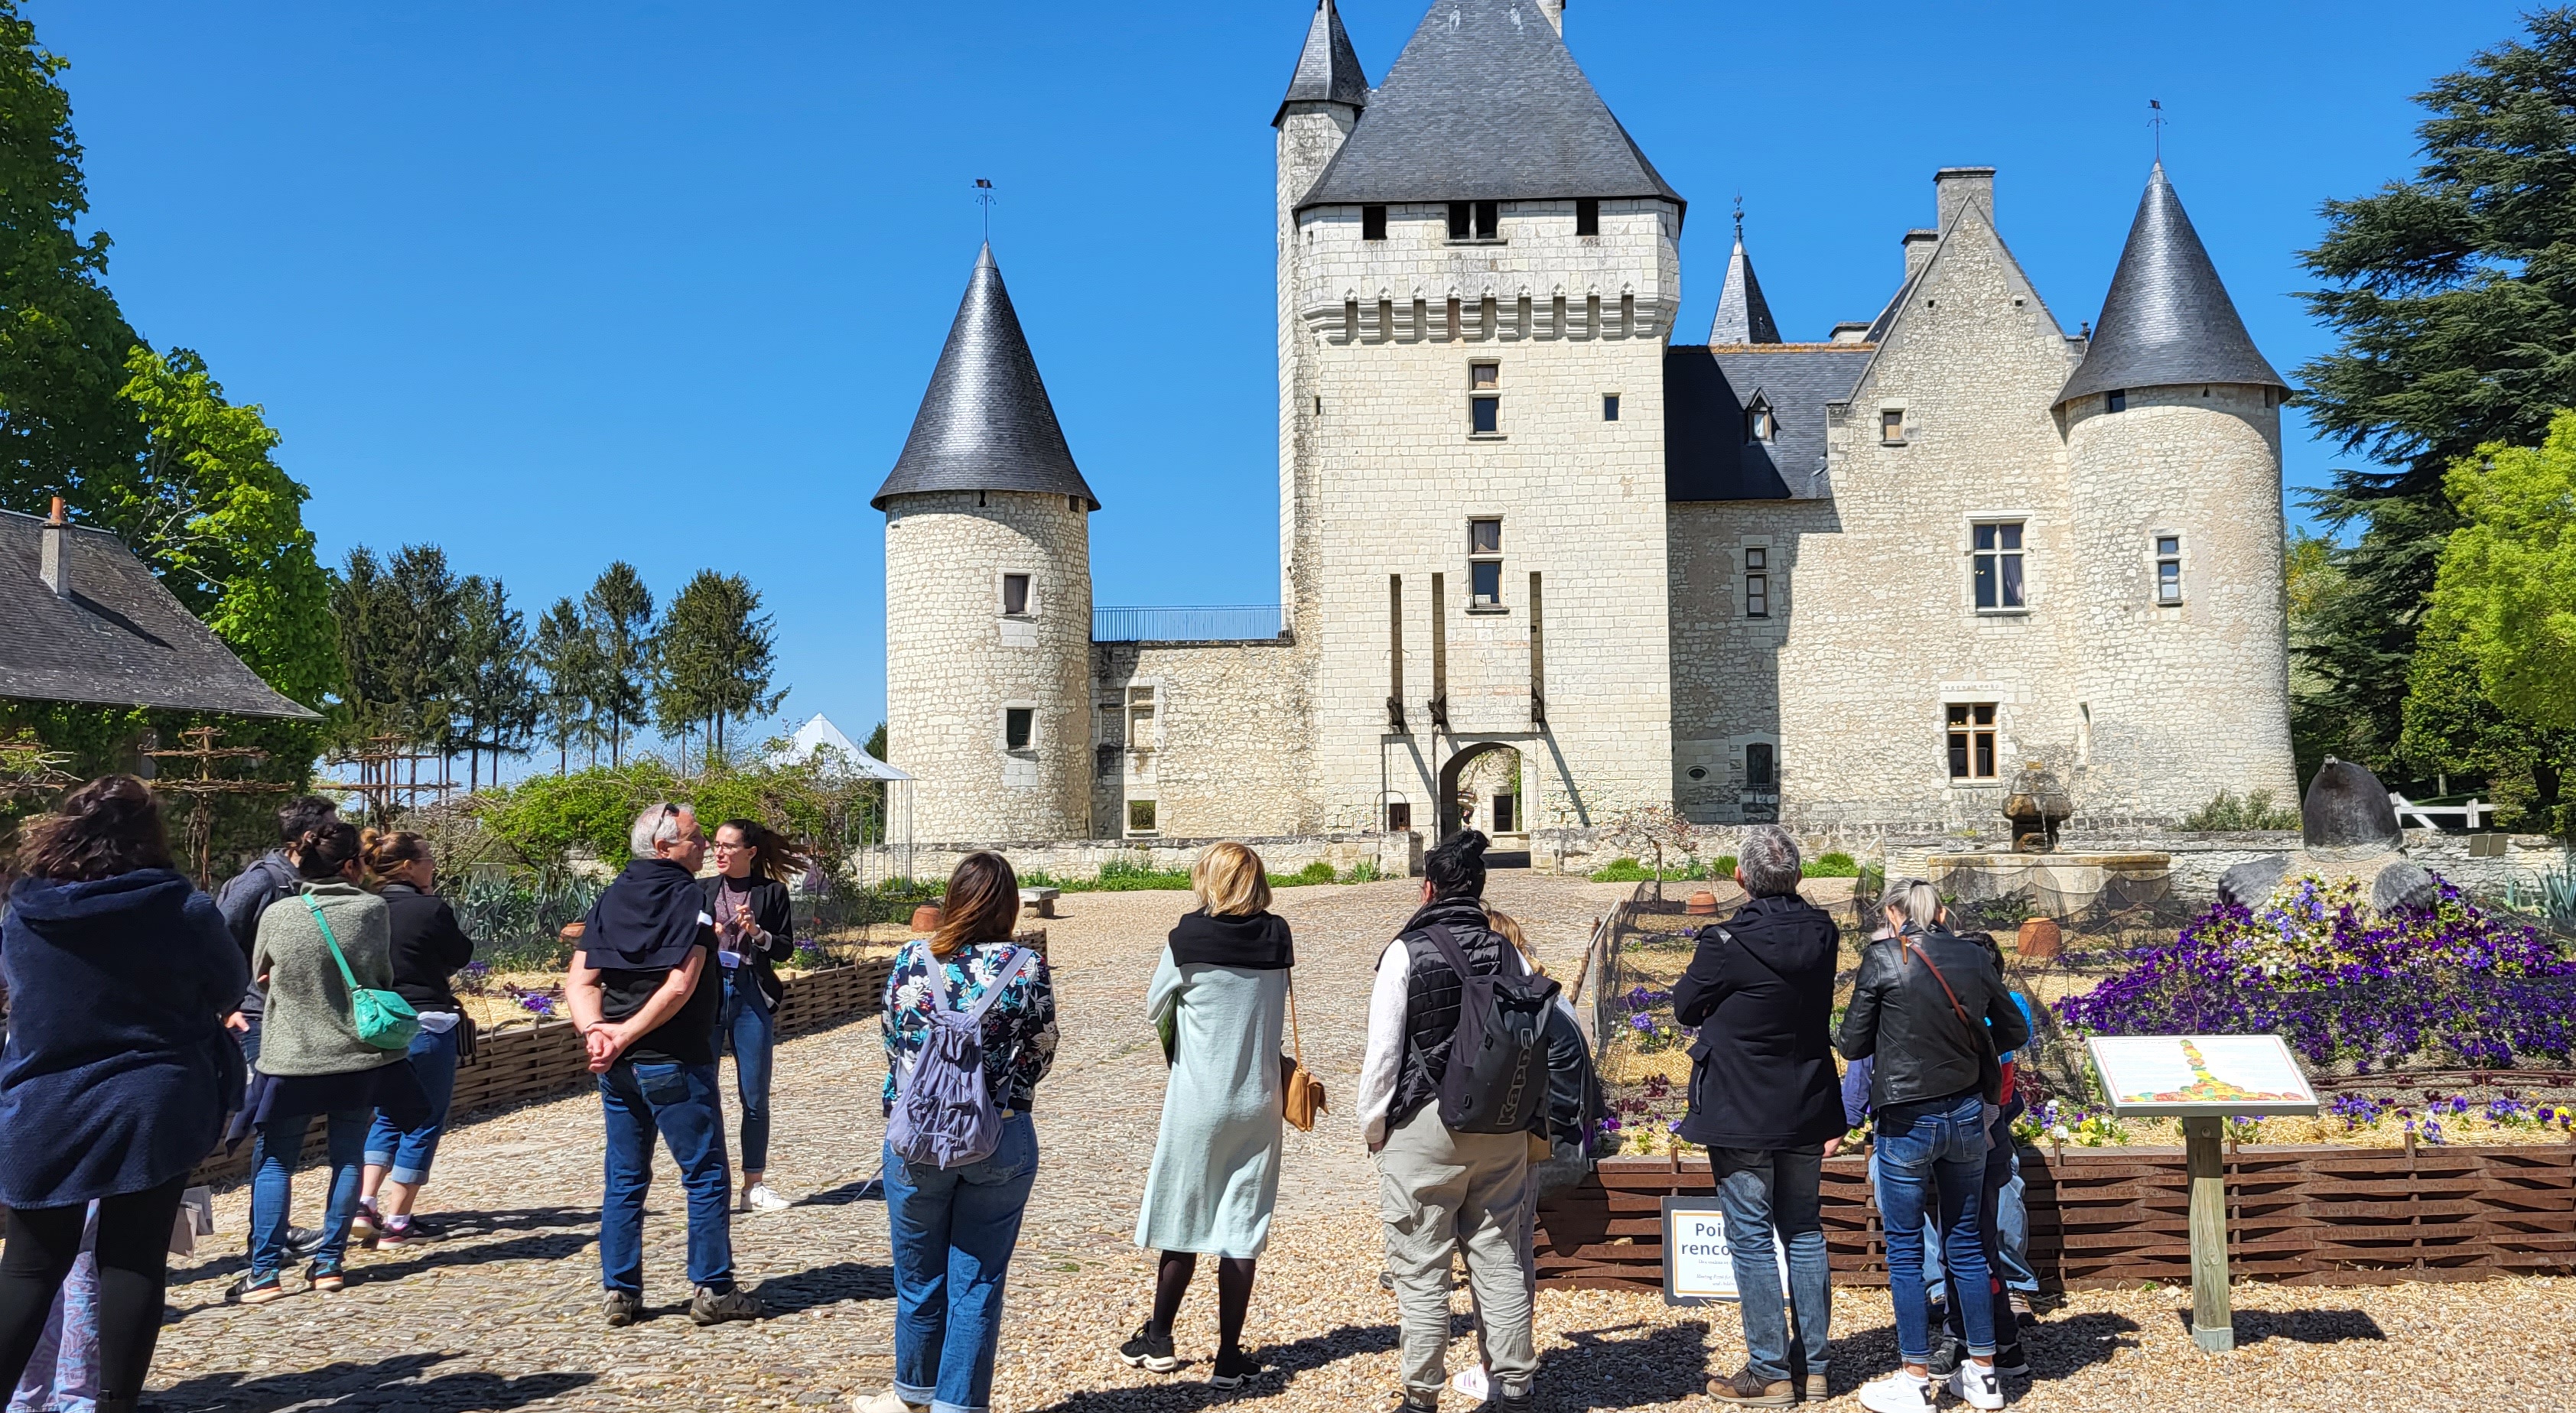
1395,854
2306,1214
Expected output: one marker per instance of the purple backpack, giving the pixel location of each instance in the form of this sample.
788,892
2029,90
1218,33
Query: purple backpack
943,1110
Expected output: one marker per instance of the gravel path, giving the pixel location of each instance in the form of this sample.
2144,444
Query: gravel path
500,1314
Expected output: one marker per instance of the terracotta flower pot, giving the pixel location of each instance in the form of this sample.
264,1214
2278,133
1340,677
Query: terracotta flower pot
925,918
1702,904
2039,939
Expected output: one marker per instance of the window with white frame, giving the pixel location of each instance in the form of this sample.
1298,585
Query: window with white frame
1971,733
2168,570
1996,566
1485,563
1757,582
1484,399
1758,425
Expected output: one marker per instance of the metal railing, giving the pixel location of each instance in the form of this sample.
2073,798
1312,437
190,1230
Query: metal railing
1192,624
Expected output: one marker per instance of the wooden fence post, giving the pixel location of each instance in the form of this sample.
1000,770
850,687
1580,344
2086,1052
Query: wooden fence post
2213,1318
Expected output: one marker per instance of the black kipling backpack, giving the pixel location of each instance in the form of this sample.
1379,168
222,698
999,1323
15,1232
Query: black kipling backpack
1497,1076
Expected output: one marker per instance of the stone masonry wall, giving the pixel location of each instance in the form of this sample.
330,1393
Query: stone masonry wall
1229,751
1726,665
955,663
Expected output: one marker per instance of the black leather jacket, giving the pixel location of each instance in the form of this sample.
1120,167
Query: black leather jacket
1900,1014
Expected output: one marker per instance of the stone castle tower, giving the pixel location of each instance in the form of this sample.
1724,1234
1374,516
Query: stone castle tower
988,592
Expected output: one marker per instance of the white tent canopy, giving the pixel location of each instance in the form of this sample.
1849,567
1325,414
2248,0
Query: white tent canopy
840,752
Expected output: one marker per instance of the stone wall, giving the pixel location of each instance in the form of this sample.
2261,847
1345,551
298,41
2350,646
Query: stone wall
1228,750
1395,854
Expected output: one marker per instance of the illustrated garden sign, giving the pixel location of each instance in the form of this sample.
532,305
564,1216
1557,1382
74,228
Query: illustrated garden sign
2203,1080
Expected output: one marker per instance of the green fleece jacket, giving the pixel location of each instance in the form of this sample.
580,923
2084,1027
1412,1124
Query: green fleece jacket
308,1030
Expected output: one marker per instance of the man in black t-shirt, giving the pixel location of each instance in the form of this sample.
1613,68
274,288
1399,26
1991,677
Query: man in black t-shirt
644,991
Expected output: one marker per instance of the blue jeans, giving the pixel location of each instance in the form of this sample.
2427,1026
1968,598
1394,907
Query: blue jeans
2012,1233
272,1187
1998,1174
748,1026
1932,1161
953,1233
679,1103
405,1154
1759,1190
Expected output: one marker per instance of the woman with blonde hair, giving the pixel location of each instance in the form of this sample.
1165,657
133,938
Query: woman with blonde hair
1220,996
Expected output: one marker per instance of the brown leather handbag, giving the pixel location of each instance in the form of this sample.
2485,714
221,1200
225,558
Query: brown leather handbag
1301,1095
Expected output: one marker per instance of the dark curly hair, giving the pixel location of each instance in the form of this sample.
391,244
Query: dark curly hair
1456,867
109,826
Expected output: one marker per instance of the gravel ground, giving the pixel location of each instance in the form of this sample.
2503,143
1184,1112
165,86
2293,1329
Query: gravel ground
500,1314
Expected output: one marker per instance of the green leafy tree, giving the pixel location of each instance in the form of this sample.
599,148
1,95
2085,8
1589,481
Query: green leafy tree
717,656
567,657
2506,590
2452,728
497,692
619,611
2453,297
63,342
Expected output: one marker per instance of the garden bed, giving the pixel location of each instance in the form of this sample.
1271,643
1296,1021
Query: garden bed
2301,1214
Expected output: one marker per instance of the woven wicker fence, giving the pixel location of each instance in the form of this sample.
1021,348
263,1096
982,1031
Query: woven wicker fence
2297,1214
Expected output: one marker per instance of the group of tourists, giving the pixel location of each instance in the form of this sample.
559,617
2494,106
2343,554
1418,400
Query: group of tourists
150,1023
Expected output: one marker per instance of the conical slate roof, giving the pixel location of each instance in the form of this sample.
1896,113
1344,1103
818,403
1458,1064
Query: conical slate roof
1328,71
1486,104
1743,316
2167,319
985,424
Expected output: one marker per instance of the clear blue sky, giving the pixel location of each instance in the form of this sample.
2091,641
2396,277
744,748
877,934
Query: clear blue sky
551,284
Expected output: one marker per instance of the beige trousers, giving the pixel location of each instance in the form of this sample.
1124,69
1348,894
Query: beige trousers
1441,1192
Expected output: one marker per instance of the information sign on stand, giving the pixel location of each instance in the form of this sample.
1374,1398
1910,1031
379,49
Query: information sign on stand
2203,1080
1698,1266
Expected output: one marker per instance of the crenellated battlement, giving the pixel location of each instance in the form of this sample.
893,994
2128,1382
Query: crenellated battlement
1534,279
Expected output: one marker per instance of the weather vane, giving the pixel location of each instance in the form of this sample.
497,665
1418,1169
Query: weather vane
2156,120
985,197
1739,215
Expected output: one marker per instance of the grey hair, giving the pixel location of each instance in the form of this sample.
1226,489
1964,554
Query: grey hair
1913,900
659,824
1767,860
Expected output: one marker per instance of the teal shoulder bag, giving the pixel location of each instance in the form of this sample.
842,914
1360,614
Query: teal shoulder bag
383,1018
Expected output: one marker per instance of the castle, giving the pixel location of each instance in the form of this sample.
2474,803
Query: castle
1527,538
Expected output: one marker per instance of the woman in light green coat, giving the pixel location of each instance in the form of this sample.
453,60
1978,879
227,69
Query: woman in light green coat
1220,998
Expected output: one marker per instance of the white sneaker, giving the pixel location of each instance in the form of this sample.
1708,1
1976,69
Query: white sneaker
1977,1384
1472,1383
1899,1392
886,1401
759,1198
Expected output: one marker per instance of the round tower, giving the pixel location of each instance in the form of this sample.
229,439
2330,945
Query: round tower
988,594
2173,440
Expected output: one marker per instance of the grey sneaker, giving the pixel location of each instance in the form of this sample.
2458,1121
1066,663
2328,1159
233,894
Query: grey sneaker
621,1308
1747,1389
1816,1388
713,1308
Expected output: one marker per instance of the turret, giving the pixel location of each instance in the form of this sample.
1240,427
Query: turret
1743,315
988,593
1325,98
2173,436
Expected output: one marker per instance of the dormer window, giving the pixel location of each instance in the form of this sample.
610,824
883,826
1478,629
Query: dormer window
1758,425
2118,401
1475,220
1587,216
1372,223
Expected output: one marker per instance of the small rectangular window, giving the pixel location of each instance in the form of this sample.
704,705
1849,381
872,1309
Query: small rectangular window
1484,375
1372,223
1484,537
1609,407
1487,576
1140,816
1971,731
1998,567
1484,404
2119,401
1760,768
2168,569
1891,425
1757,422
1015,595
1587,216
1757,582
1017,724
1488,415
1399,815
1489,220
1485,563
1460,213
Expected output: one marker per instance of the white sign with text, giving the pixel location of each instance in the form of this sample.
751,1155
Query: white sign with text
1698,1264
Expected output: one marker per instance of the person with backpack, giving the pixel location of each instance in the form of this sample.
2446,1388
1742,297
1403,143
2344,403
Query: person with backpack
1456,1072
247,894
1764,1101
1220,996
969,1025
1937,1080
643,992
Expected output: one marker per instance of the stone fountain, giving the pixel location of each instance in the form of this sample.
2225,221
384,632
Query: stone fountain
2061,884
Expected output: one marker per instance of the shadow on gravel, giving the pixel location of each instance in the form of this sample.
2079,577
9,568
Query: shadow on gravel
1186,1389
2298,1326
1664,1364
415,1260
346,1388
452,1226
2057,1348
825,1285
862,1190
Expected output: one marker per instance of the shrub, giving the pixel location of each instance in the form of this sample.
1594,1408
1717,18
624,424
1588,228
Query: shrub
2226,813
1620,871
1365,871
1833,865
1316,872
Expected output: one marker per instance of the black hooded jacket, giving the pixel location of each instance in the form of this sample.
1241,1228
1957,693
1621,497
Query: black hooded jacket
1761,990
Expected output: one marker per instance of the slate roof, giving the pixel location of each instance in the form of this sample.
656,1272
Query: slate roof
985,424
1707,454
2167,319
1328,69
1743,316
1486,104
119,640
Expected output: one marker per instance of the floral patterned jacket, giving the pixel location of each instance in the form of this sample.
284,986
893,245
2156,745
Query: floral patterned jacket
1019,1029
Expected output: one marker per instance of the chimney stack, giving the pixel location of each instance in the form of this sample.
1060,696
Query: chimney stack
1918,250
1954,187
53,565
